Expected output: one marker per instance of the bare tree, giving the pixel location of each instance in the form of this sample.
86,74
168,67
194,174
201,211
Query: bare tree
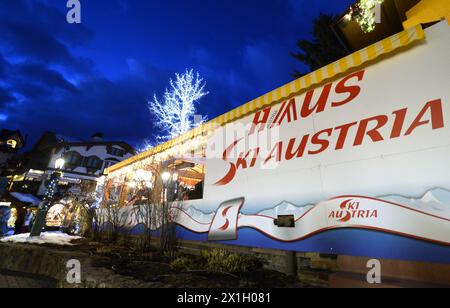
112,211
150,207
144,204
175,113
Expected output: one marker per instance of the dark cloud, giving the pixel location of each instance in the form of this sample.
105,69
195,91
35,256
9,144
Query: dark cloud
38,45
30,74
39,32
3,67
5,99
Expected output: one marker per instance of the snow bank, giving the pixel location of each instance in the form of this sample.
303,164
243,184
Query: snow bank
53,238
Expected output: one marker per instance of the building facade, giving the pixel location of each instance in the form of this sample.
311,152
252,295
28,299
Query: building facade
85,160
10,143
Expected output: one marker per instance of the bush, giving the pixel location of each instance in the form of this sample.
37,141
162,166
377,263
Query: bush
104,250
221,260
182,264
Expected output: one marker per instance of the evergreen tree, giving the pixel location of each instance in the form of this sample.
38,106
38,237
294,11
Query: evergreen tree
323,49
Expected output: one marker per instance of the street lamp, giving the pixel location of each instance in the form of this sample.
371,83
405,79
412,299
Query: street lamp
164,236
52,188
165,176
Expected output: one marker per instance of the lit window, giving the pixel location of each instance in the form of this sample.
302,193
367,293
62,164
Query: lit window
12,143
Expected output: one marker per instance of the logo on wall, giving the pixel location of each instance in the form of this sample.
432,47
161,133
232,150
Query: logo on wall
225,223
350,209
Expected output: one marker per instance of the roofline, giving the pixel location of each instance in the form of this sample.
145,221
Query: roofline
124,144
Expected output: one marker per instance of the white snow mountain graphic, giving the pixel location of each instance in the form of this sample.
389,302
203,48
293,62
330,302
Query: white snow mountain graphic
199,215
287,208
435,202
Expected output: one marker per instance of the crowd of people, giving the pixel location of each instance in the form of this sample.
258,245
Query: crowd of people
14,221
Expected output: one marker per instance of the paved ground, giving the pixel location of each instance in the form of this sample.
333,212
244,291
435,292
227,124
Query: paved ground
17,280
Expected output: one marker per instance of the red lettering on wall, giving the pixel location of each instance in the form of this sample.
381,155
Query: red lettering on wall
343,131
289,110
307,110
400,116
317,140
353,91
437,117
242,160
255,158
232,171
392,125
276,152
373,133
291,153
260,119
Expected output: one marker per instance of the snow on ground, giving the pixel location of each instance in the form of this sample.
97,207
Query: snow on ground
53,238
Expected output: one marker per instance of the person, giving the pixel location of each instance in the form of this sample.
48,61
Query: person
4,217
172,190
26,227
197,193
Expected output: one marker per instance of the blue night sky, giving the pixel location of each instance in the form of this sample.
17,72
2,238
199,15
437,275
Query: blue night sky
97,76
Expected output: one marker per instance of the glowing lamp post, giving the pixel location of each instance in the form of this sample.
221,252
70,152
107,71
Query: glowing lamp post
52,188
59,163
165,176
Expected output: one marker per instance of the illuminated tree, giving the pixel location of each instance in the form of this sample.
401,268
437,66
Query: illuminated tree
145,146
175,113
364,12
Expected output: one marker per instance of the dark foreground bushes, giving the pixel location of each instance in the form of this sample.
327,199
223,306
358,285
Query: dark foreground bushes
218,260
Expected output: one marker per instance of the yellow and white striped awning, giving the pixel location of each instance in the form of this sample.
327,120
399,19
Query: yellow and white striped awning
293,88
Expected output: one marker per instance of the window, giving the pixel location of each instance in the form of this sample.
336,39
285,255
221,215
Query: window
93,162
12,143
116,151
73,159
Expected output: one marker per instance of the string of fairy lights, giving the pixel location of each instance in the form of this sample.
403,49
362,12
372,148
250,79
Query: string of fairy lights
52,188
364,13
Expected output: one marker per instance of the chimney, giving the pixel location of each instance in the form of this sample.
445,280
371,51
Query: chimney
97,137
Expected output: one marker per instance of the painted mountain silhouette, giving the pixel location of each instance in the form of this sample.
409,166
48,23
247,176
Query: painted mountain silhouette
199,215
435,202
286,208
